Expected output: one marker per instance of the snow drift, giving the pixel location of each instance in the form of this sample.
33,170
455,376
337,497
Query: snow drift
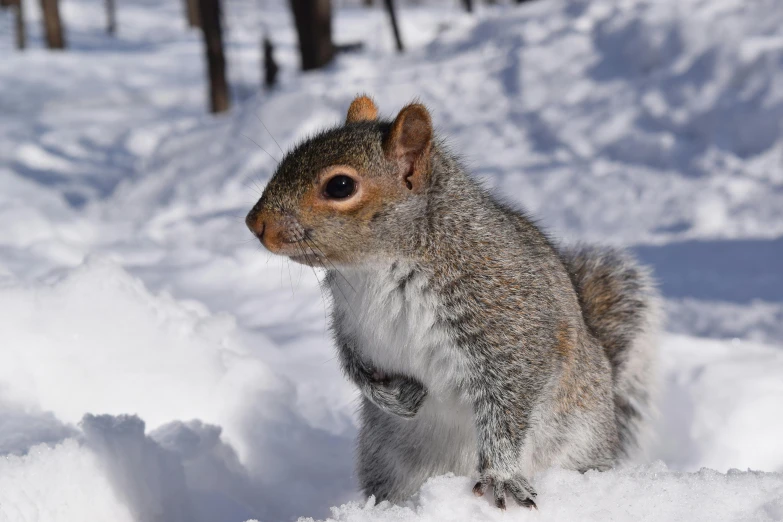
631,495
95,340
63,482
97,329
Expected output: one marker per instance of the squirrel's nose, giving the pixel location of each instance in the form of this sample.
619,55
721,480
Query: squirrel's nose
267,227
259,231
255,224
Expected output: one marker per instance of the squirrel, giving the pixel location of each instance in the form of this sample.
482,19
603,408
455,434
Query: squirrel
479,347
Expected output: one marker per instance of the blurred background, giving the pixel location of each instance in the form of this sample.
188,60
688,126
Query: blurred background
157,364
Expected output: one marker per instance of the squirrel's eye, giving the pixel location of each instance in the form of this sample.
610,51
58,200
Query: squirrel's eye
340,187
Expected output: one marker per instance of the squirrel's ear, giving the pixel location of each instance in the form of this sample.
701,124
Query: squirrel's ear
409,143
362,108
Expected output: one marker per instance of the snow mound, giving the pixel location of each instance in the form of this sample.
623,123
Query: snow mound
720,406
113,471
97,341
632,495
182,472
90,345
64,483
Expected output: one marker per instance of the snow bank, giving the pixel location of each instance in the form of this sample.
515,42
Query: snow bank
631,495
180,473
112,471
226,438
97,341
64,483
720,405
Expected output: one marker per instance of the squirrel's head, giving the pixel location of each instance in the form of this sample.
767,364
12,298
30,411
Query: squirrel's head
344,195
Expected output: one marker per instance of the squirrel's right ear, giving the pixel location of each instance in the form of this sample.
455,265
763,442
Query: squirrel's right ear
362,109
409,143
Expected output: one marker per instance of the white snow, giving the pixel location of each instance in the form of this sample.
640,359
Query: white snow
98,329
720,405
631,495
157,365
63,482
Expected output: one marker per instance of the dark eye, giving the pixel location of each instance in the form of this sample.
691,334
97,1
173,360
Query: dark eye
340,187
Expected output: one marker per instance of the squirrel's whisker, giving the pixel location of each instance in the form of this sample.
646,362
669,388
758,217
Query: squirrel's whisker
325,259
304,248
270,134
251,188
262,148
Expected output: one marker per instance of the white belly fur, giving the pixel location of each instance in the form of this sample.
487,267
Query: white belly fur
398,334
397,330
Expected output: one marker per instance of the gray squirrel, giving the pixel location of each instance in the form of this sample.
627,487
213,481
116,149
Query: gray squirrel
479,347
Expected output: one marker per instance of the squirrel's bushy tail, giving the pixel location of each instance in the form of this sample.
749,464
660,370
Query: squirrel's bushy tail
622,308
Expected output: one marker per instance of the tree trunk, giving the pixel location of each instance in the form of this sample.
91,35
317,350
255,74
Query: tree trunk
209,15
313,20
21,31
393,17
192,13
53,28
468,5
19,27
269,64
111,17
367,3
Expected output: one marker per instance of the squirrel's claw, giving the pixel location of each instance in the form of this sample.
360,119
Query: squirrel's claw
481,487
522,492
517,487
528,503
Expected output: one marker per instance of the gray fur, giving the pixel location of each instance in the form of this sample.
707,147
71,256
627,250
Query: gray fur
479,347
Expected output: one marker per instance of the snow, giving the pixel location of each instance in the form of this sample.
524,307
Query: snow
63,482
720,405
94,339
649,494
99,329
157,365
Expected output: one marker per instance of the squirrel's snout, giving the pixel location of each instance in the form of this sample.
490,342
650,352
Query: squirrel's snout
267,229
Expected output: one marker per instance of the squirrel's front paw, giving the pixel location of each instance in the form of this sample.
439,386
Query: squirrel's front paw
516,486
400,396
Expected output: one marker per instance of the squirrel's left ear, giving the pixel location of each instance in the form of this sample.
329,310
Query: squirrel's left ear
409,143
362,109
